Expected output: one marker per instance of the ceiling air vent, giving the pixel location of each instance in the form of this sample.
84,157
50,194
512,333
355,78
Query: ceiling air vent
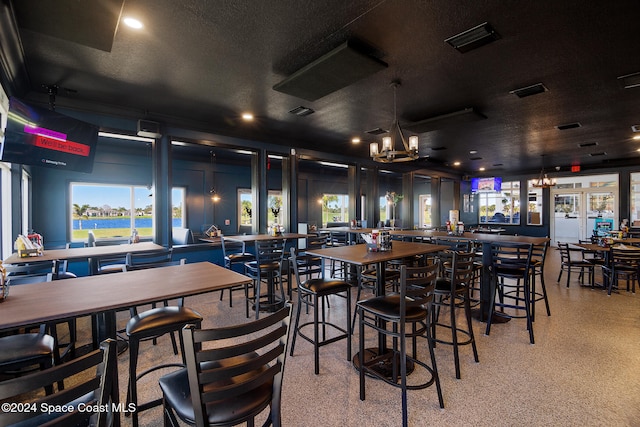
601,153
498,164
475,158
473,38
635,128
376,131
630,80
438,148
442,121
302,111
529,90
568,126
587,144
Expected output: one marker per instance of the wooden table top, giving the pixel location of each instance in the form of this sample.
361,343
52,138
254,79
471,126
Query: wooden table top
358,254
254,237
38,303
478,237
85,253
594,247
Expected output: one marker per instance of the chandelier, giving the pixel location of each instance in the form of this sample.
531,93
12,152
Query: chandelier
544,181
389,154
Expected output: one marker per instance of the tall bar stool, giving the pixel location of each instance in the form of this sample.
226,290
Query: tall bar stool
266,269
510,274
309,265
150,325
538,258
313,292
452,291
401,316
231,260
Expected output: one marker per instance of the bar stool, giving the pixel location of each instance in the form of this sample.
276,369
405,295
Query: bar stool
147,326
452,291
231,260
312,293
510,274
402,316
538,258
267,268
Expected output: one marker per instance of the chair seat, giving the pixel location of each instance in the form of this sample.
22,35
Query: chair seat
240,257
268,266
444,285
388,307
21,348
175,387
325,286
160,320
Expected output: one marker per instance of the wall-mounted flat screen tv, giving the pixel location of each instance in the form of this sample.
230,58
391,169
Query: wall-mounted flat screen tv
41,137
480,185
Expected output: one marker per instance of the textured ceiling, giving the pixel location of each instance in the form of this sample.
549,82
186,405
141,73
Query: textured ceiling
203,63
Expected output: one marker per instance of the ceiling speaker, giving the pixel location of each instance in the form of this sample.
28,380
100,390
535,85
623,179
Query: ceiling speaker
333,71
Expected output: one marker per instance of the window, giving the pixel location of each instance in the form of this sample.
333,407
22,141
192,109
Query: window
6,247
114,210
534,204
274,204
26,184
335,208
425,210
635,199
245,206
384,210
501,207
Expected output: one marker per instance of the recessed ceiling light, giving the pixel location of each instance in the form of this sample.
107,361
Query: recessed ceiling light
355,140
132,23
247,117
481,169
473,152
637,137
456,163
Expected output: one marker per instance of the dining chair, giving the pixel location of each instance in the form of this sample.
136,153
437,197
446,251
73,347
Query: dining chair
624,263
511,280
571,260
86,400
234,259
265,270
312,293
404,315
452,292
232,373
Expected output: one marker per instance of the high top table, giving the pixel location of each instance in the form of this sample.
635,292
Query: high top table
359,255
486,240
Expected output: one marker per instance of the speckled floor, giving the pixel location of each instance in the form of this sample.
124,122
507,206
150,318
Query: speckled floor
584,370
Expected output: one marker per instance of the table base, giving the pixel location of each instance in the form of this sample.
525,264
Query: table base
384,367
496,318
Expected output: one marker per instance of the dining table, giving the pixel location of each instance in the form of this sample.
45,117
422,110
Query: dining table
103,295
359,255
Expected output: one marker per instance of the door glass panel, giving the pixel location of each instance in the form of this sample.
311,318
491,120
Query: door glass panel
566,208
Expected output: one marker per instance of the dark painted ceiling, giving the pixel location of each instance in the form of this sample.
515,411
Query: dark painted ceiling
202,63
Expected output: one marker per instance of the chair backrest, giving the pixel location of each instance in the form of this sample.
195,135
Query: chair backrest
181,236
539,253
270,250
92,386
455,244
33,268
338,238
233,246
226,362
148,259
462,269
317,242
416,286
626,257
25,279
511,259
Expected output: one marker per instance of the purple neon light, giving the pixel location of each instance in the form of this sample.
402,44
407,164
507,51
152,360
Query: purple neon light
37,130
